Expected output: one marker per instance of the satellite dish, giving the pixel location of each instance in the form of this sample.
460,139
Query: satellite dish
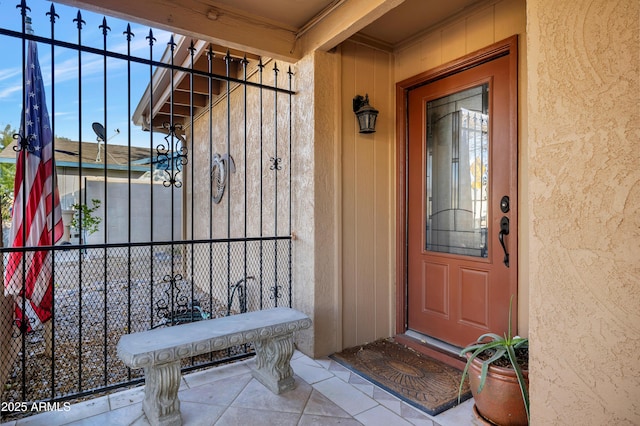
102,137
99,130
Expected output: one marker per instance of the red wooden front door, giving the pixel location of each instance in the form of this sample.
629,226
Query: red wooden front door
461,202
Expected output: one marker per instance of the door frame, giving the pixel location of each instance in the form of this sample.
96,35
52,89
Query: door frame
505,47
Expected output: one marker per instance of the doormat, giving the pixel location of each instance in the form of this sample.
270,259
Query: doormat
423,382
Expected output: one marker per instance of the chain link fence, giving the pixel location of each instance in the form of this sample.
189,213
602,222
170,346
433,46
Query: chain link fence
102,293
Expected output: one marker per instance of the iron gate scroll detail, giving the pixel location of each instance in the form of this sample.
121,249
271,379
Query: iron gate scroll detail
172,155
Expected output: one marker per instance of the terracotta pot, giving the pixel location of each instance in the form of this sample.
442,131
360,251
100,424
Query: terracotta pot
500,400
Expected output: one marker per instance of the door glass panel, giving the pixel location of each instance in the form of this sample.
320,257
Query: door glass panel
457,173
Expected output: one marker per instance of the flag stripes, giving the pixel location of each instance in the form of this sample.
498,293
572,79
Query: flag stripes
37,216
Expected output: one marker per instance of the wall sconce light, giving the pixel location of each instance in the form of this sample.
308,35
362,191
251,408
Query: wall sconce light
366,114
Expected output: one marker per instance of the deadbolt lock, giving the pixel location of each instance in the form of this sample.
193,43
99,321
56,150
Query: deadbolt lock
504,204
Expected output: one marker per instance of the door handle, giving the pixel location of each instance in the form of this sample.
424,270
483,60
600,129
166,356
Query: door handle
504,230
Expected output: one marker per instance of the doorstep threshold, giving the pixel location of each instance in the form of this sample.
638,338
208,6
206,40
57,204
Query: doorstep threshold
434,343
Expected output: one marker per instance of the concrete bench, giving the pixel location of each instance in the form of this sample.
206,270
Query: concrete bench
159,352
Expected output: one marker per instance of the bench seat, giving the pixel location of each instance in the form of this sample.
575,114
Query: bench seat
160,350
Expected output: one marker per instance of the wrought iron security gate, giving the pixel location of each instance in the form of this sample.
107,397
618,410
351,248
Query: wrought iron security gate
192,223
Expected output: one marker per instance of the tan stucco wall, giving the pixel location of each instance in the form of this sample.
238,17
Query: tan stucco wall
315,200
314,194
584,202
211,135
250,204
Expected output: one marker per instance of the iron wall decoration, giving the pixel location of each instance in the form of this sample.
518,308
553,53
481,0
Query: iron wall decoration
220,169
275,163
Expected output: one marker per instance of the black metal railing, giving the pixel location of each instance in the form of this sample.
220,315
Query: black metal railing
75,354
194,222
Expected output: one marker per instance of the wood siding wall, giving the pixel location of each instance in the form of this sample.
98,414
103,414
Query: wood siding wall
368,203
368,161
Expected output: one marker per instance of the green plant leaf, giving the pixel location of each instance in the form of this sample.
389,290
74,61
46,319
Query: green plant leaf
491,335
84,218
521,343
504,347
500,351
523,385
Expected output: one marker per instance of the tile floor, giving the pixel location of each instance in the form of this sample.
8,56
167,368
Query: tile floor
326,394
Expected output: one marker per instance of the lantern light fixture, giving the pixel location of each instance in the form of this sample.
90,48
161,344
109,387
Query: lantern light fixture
366,114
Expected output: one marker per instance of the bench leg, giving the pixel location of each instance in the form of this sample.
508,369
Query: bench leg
272,363
161,404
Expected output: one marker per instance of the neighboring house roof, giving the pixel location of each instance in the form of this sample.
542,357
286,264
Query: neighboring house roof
94,155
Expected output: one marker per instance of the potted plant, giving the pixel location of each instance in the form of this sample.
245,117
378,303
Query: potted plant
498,377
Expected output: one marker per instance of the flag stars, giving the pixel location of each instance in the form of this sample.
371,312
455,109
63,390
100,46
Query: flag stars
35,139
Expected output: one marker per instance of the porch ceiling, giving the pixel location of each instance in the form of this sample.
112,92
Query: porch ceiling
286,29
281,29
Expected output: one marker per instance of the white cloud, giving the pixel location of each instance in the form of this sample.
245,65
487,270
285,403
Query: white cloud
11,82
9,92
9,73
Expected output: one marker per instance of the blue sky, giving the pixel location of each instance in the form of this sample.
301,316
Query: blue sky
67,83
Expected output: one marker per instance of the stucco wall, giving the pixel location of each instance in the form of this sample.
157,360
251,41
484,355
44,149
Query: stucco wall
313,167
315,200
584,202
484,25
249,127
239,128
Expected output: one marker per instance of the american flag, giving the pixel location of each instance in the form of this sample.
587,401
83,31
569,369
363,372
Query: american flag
37,216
